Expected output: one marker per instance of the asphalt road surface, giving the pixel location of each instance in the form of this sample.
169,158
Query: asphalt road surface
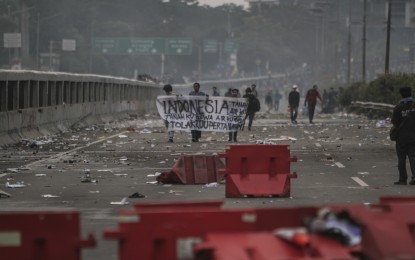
341,159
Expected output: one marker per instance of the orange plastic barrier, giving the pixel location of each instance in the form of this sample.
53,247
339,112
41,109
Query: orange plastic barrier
194,169
258,170
42,235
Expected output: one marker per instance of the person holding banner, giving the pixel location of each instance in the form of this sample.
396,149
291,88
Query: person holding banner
196,134
235,93
168,89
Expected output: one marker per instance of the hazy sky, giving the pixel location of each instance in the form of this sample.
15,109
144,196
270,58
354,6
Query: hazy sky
214,3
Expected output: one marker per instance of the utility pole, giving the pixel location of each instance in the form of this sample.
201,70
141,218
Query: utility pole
37,40
349,42
364,43
24,28
388,32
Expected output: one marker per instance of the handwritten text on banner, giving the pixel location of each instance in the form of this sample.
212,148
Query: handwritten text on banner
218,114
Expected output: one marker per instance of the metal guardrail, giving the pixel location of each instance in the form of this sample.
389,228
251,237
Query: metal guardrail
30,99
373,105
372,108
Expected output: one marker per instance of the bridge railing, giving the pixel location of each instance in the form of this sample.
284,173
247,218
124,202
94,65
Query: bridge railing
30,99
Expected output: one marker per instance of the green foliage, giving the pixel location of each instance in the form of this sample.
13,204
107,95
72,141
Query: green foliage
384,89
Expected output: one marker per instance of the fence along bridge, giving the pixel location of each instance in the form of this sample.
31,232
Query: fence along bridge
34,103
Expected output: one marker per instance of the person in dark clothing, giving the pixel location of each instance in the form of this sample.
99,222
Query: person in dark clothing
229,93
168,89
294,102
311,100
403,117
233,135
250,111
196,134
268,100
276,98
215,92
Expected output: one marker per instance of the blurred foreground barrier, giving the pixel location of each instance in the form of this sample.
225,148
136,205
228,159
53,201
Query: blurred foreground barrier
169,230
258,170
388,228
42,235
205,230
194,169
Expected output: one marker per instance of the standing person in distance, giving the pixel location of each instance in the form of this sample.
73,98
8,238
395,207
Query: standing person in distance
268,100
229,93
254,91
196,134
234,134
294,103
276,98
168,89
403,117
251,109
311,100
215,92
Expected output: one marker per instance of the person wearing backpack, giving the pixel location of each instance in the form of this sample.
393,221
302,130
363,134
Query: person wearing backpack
403,118
253,106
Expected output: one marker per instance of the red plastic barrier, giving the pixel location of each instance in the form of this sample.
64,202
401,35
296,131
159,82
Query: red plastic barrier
388,228
194,169
42,235
265,245
258,170
196,230
167,231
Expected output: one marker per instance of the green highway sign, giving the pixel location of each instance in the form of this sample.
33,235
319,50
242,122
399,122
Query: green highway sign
210,46
145,46
231,47
178,46
105,45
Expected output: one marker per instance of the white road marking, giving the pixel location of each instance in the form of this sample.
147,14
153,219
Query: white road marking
318,145
360,182
340,165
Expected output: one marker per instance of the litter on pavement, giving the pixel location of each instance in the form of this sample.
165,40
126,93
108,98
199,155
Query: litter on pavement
15,185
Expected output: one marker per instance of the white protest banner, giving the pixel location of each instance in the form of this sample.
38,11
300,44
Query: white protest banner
217,114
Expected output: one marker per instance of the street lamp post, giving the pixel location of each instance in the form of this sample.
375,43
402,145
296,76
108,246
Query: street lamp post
349,42
364,43
388,32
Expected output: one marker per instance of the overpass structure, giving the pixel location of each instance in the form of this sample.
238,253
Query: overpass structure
34,103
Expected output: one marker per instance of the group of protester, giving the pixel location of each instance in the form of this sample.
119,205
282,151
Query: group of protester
252,108
310,102
403,119
251,94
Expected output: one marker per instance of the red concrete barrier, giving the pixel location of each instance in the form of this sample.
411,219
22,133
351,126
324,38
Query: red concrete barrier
205,230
